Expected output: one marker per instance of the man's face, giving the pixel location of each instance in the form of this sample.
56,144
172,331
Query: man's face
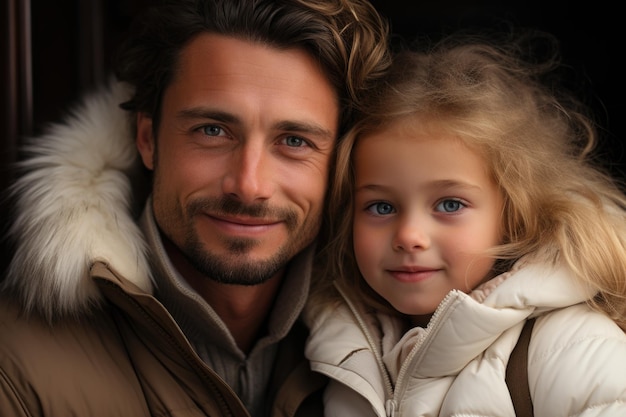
242,155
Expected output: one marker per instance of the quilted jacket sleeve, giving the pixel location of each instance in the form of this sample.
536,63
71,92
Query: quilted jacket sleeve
577,365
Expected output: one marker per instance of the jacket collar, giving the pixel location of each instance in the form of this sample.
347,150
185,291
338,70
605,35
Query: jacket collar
198,319
473,321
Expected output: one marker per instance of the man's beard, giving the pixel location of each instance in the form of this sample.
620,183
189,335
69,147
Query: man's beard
236,272
237,269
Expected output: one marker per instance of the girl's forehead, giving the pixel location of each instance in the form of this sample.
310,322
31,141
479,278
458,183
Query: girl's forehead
407,141
413,128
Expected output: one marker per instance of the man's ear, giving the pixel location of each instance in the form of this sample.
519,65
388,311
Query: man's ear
145,140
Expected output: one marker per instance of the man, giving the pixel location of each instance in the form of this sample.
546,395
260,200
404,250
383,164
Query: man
194,309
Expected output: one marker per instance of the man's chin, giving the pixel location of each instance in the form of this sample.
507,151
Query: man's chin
239,269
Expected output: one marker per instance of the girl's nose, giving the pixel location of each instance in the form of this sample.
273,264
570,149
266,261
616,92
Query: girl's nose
411,235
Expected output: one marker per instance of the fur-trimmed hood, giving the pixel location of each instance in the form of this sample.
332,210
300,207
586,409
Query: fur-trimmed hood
73,206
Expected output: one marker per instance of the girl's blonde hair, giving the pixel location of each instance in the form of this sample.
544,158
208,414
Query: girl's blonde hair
537,143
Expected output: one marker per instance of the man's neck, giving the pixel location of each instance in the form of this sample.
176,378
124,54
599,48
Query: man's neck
243,309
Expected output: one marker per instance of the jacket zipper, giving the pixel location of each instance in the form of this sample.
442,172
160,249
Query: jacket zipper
415,355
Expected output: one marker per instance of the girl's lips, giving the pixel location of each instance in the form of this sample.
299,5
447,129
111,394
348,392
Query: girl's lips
412,274
412,269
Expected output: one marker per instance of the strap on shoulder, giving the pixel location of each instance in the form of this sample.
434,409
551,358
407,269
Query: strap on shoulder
517,373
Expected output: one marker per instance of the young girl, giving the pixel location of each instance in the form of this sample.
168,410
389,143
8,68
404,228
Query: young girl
464,203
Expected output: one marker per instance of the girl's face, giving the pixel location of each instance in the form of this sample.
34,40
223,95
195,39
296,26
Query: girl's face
426,209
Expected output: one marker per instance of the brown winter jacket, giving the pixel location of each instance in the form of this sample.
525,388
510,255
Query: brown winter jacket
95,341
129,358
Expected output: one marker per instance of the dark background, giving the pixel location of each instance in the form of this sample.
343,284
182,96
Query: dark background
591,36
53,51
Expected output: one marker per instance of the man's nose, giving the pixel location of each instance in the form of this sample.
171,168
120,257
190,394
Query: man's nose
250,175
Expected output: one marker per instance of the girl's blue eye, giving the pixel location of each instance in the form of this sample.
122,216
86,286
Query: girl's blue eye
449,206
381,208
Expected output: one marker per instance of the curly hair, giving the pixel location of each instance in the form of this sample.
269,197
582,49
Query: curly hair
347,37
538,142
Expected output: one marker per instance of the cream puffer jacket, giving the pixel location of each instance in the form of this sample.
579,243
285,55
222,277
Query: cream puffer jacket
456,366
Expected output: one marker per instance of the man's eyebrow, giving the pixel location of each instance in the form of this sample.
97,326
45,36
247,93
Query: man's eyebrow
287,125
306,128
207,113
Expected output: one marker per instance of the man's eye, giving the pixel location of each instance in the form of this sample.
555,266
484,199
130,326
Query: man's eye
449,206
294,141
212,130
381,208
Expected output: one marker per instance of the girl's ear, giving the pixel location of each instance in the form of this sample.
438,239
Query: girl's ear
145,140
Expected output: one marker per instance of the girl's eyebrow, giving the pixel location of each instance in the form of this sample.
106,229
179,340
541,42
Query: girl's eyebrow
447,183
455,184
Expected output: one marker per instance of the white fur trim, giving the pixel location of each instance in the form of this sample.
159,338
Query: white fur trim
73,205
